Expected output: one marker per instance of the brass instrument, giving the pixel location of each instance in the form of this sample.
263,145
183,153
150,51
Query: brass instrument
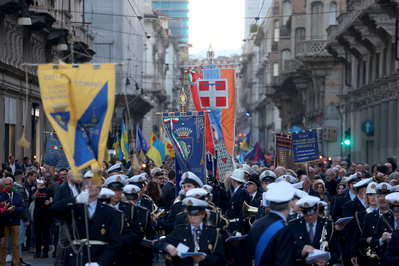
323,239
372,255
226,221
248,212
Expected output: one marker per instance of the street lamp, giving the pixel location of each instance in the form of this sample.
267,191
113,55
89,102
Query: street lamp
24,19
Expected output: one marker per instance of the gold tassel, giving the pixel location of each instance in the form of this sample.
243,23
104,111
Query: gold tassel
22,141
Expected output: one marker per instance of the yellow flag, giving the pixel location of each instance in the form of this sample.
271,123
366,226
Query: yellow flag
153,138
169,149
79,103
155,155
135,163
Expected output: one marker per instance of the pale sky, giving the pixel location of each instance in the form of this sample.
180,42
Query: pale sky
217,22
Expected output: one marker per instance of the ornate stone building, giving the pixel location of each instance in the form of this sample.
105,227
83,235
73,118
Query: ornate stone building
53,22
364,41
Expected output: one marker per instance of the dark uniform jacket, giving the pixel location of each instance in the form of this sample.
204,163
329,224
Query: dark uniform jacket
339,203
301,235
350,208
391,257
257,200
313,192
385,223
280,250
209,243
168,194
103,227
234,209
170,221
130,237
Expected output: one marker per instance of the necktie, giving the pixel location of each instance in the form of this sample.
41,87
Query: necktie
311,233
196,233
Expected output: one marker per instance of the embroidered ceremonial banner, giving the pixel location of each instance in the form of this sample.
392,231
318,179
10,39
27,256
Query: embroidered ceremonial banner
284,156
79,103
305,146
224,160
186,131
213,89
55,155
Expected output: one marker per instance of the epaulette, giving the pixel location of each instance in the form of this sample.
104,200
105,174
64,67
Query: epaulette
144,208
146,197
294,220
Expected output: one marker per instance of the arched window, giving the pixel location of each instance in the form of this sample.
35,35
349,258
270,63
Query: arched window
287,11
332,15
317,27
275,70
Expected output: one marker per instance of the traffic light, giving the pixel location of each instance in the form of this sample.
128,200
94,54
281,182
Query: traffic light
347,139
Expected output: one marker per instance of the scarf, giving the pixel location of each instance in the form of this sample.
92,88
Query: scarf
14,189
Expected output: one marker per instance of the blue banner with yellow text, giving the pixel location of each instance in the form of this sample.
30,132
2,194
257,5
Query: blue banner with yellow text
305,146
79,103
186,131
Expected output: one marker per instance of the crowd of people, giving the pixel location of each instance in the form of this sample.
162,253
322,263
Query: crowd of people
267,215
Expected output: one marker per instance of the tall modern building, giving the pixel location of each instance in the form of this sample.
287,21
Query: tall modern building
177,10
252,8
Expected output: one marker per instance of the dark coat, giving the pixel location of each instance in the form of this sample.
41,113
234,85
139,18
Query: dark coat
313,192
21,190
12,218
391,257
280,250
301,236
170,221
64,192
168,194
234,209
350,208
103,226
257,200
383,225
210,243
339,203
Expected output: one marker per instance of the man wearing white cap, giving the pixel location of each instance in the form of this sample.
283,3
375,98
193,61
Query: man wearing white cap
240,253
386,225
360,243
104,237
350,208
307,232
270,239
116,169
189,181
391,256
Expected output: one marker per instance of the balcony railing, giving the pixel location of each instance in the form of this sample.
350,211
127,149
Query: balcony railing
291,65
310,48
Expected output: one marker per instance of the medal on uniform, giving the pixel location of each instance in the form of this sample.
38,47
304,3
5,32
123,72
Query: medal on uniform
210,246
103,231
232,207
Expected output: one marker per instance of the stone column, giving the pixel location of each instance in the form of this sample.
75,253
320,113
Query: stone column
392,126
384,132
377,133
370,146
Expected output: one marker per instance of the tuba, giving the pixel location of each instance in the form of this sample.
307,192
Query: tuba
248,212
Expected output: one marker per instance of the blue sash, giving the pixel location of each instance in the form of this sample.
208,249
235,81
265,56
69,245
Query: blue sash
265,239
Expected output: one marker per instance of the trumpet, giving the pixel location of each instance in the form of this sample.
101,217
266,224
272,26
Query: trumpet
249,211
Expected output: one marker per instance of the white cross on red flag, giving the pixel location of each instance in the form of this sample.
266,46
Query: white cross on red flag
213,93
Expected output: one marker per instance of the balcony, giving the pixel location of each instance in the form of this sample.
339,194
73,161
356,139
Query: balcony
291,65
310,48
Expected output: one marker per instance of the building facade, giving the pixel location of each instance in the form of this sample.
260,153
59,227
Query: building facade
364,41
52,22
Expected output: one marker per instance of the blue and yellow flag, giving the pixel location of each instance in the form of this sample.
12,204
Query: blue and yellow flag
124,142
79,103
154,152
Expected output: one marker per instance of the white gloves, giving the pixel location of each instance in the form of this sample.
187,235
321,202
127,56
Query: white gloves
83,197
91,263
238,234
